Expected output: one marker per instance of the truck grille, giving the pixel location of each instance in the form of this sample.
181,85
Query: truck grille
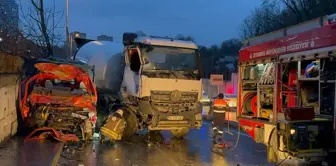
174,96
173,101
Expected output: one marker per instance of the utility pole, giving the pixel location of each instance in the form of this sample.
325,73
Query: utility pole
67,28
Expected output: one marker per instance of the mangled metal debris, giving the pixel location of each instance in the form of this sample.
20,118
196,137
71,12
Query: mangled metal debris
43,133
60,96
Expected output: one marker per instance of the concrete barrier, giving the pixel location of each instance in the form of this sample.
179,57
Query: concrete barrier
10,67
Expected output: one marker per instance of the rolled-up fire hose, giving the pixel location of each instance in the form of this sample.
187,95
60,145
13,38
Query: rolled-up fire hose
254,105
250,104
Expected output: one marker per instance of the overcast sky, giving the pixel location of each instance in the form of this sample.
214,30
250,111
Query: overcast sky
208,21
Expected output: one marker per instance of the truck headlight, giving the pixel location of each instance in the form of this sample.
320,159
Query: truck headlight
292,131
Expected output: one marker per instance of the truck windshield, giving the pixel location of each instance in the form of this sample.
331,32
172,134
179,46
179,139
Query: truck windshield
169,58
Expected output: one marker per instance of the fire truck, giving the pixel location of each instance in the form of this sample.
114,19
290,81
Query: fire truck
286,91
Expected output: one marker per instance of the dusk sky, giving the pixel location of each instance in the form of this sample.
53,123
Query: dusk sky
207,21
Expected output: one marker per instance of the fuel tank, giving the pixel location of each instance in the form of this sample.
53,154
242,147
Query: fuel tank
108,61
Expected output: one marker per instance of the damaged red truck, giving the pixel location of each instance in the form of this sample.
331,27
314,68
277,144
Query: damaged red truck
59,96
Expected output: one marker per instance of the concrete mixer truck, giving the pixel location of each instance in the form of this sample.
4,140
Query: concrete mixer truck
156,80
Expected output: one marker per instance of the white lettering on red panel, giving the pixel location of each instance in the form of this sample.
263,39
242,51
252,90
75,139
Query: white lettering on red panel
279,50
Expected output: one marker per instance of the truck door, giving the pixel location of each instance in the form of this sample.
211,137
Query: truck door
132,71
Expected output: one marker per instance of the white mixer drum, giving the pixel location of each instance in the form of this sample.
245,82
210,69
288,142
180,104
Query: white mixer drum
108,61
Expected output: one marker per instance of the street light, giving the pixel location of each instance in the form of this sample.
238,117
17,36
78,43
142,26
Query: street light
76,35
67,26
1,39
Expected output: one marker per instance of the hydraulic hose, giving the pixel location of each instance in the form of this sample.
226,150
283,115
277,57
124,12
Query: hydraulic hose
237,140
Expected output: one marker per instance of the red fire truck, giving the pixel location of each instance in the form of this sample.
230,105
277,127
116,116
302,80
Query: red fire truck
287,91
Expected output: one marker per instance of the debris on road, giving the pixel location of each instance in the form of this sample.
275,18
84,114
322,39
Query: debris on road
44,133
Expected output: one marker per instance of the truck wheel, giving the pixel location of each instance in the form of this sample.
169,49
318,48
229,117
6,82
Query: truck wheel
131,124
180,133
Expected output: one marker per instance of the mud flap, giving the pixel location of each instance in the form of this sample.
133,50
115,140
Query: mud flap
114,126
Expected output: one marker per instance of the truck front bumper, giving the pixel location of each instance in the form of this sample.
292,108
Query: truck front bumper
167,121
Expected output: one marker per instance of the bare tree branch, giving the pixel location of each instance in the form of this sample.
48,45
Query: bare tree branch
38,25
276,14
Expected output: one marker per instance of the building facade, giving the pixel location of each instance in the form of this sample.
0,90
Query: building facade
104,38
9,14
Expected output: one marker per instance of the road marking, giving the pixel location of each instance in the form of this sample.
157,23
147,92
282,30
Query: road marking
165,154
57,155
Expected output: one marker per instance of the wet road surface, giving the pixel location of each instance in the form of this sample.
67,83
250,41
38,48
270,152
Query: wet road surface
16,152
194,150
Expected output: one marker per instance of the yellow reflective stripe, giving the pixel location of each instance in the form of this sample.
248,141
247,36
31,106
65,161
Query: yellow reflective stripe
117,125
106,130
110,133
220,105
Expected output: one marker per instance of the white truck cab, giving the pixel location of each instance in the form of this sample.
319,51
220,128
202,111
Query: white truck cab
162,82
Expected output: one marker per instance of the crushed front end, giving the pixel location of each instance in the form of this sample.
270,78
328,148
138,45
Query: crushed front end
59,96
175,109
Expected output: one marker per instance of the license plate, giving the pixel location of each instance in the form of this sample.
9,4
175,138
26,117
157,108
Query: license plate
175,117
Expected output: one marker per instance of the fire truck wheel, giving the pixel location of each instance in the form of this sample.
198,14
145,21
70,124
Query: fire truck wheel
180,133
272,147
131,124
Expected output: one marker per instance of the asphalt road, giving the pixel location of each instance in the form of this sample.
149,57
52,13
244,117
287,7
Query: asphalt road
16,152
194,150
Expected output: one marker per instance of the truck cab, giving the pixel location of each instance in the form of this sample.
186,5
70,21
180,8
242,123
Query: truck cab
162,82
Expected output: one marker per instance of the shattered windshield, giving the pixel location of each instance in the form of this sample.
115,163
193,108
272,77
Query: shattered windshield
169,58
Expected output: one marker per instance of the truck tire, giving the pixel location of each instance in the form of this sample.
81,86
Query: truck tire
180,133
131,124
